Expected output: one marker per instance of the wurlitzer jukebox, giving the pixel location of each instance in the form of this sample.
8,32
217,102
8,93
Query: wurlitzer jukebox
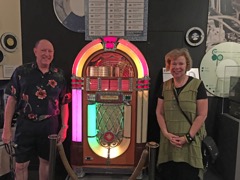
110,84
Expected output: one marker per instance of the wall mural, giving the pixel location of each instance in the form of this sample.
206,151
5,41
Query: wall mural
223,22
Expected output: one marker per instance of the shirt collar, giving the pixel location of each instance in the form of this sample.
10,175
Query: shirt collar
51,69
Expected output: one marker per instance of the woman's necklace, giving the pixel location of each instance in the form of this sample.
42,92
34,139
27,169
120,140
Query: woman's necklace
181,83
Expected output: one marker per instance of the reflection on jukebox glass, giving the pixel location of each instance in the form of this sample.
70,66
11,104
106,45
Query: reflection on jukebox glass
228,81
109,71
117,72
234,96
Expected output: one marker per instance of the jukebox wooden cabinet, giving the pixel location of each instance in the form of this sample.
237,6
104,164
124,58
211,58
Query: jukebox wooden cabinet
110,83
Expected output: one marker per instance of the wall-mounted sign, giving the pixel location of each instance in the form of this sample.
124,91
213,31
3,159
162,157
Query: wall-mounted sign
219,64
8,70
121,18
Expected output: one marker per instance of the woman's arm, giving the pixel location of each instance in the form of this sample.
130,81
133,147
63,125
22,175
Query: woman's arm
202,110
160,118
161,122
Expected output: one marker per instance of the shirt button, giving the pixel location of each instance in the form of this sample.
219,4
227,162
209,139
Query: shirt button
37,105
42,76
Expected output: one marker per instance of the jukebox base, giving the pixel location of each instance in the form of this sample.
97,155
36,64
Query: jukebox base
82,170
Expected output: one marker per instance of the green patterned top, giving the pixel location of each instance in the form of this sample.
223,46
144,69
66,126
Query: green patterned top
177,124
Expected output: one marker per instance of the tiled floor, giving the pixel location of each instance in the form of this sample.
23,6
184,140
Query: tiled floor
210,175
33,175
61,174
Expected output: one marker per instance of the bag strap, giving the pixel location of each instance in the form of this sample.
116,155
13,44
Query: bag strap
176,97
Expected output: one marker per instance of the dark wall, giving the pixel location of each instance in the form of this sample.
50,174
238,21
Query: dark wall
168,22
39,21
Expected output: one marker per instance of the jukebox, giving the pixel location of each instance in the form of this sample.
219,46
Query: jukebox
110,84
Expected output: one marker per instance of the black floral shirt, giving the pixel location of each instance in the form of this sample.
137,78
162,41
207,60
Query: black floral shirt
38,95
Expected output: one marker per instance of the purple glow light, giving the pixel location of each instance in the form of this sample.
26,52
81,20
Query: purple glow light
77,115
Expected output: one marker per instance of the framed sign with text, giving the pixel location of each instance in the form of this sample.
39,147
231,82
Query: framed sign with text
122,18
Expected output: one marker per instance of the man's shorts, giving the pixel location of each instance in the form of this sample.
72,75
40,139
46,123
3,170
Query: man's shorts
31,138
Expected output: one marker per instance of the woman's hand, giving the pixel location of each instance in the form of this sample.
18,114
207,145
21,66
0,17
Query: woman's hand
178,141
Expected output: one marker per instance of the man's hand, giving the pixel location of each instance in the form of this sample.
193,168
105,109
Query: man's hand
7,136
62,134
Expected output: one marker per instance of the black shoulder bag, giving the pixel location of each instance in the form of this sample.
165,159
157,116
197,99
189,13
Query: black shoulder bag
209,148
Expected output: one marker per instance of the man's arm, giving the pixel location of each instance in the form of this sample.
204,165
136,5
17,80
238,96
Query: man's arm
8,116
64,117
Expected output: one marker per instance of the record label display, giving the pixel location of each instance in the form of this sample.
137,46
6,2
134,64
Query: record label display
9,42
194,36
71,14
217,66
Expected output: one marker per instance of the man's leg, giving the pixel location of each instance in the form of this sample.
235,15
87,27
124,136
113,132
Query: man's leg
21,171
43,169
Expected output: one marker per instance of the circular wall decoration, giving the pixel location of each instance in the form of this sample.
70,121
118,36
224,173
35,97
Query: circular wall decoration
9,42
194,36
1,56
217,67
71,14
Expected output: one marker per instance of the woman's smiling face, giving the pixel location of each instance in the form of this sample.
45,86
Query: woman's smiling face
178,67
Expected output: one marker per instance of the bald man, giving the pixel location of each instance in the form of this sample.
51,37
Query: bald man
37,92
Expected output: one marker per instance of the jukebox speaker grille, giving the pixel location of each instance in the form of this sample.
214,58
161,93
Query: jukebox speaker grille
110,123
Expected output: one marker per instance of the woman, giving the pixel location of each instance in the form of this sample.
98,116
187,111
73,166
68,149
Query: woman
180,156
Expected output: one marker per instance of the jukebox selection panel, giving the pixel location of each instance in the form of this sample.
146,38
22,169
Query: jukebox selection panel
109,71
110,64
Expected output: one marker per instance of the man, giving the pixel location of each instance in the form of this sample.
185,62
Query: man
38,94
